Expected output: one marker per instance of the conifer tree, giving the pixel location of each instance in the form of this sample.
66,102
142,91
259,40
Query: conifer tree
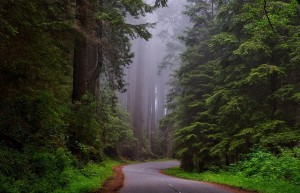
102,43
238,87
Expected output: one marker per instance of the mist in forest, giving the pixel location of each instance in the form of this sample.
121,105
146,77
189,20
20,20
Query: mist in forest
148,76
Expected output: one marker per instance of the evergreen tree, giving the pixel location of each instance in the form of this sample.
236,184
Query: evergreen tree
103,41
237,80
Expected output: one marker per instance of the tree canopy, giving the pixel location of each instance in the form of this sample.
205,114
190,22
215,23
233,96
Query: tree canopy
238,81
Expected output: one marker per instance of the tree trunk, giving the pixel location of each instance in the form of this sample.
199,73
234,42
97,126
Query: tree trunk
151,112
138,104
79,68
87,62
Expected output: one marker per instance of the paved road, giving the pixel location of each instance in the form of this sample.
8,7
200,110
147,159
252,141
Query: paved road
145,178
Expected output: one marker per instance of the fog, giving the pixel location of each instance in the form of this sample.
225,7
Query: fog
148,76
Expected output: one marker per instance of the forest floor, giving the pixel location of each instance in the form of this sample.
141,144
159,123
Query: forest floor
116,182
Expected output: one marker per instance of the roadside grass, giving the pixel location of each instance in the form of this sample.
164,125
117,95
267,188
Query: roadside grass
237,180
50,172
88,179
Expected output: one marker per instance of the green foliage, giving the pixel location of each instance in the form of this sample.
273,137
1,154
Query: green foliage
49,171
237,180
261,171
115,32
238,82
33,171
88,179
46,142
84,126
262,164
262,73
117,128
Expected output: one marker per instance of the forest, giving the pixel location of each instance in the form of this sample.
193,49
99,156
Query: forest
61,63
235,95
218,89
238,84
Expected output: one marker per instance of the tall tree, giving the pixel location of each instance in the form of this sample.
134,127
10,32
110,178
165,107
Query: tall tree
85,49
240,64
103,39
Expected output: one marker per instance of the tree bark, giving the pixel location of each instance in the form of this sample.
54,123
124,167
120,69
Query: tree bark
87,62
79,69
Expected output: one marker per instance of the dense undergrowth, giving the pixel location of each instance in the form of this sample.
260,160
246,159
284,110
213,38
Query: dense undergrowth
261,171
50,171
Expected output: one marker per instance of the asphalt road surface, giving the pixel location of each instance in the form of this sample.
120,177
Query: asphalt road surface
146,178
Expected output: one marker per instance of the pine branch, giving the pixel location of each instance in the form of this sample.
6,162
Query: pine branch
267,15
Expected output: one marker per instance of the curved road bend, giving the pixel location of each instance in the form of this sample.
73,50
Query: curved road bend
146,178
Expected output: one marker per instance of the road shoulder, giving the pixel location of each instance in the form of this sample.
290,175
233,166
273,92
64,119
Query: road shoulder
114,183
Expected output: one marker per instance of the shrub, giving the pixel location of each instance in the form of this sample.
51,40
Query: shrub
261,163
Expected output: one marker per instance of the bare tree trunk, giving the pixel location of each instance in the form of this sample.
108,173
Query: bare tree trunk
161,96
138,104
151,112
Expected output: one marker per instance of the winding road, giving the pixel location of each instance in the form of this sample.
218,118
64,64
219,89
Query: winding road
146,178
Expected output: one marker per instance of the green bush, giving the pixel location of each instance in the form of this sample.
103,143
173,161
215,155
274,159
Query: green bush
261,171
42,171
284,166
34,170
90,178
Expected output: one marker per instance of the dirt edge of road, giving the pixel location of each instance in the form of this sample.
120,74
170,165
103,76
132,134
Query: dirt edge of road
221,186
114,183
